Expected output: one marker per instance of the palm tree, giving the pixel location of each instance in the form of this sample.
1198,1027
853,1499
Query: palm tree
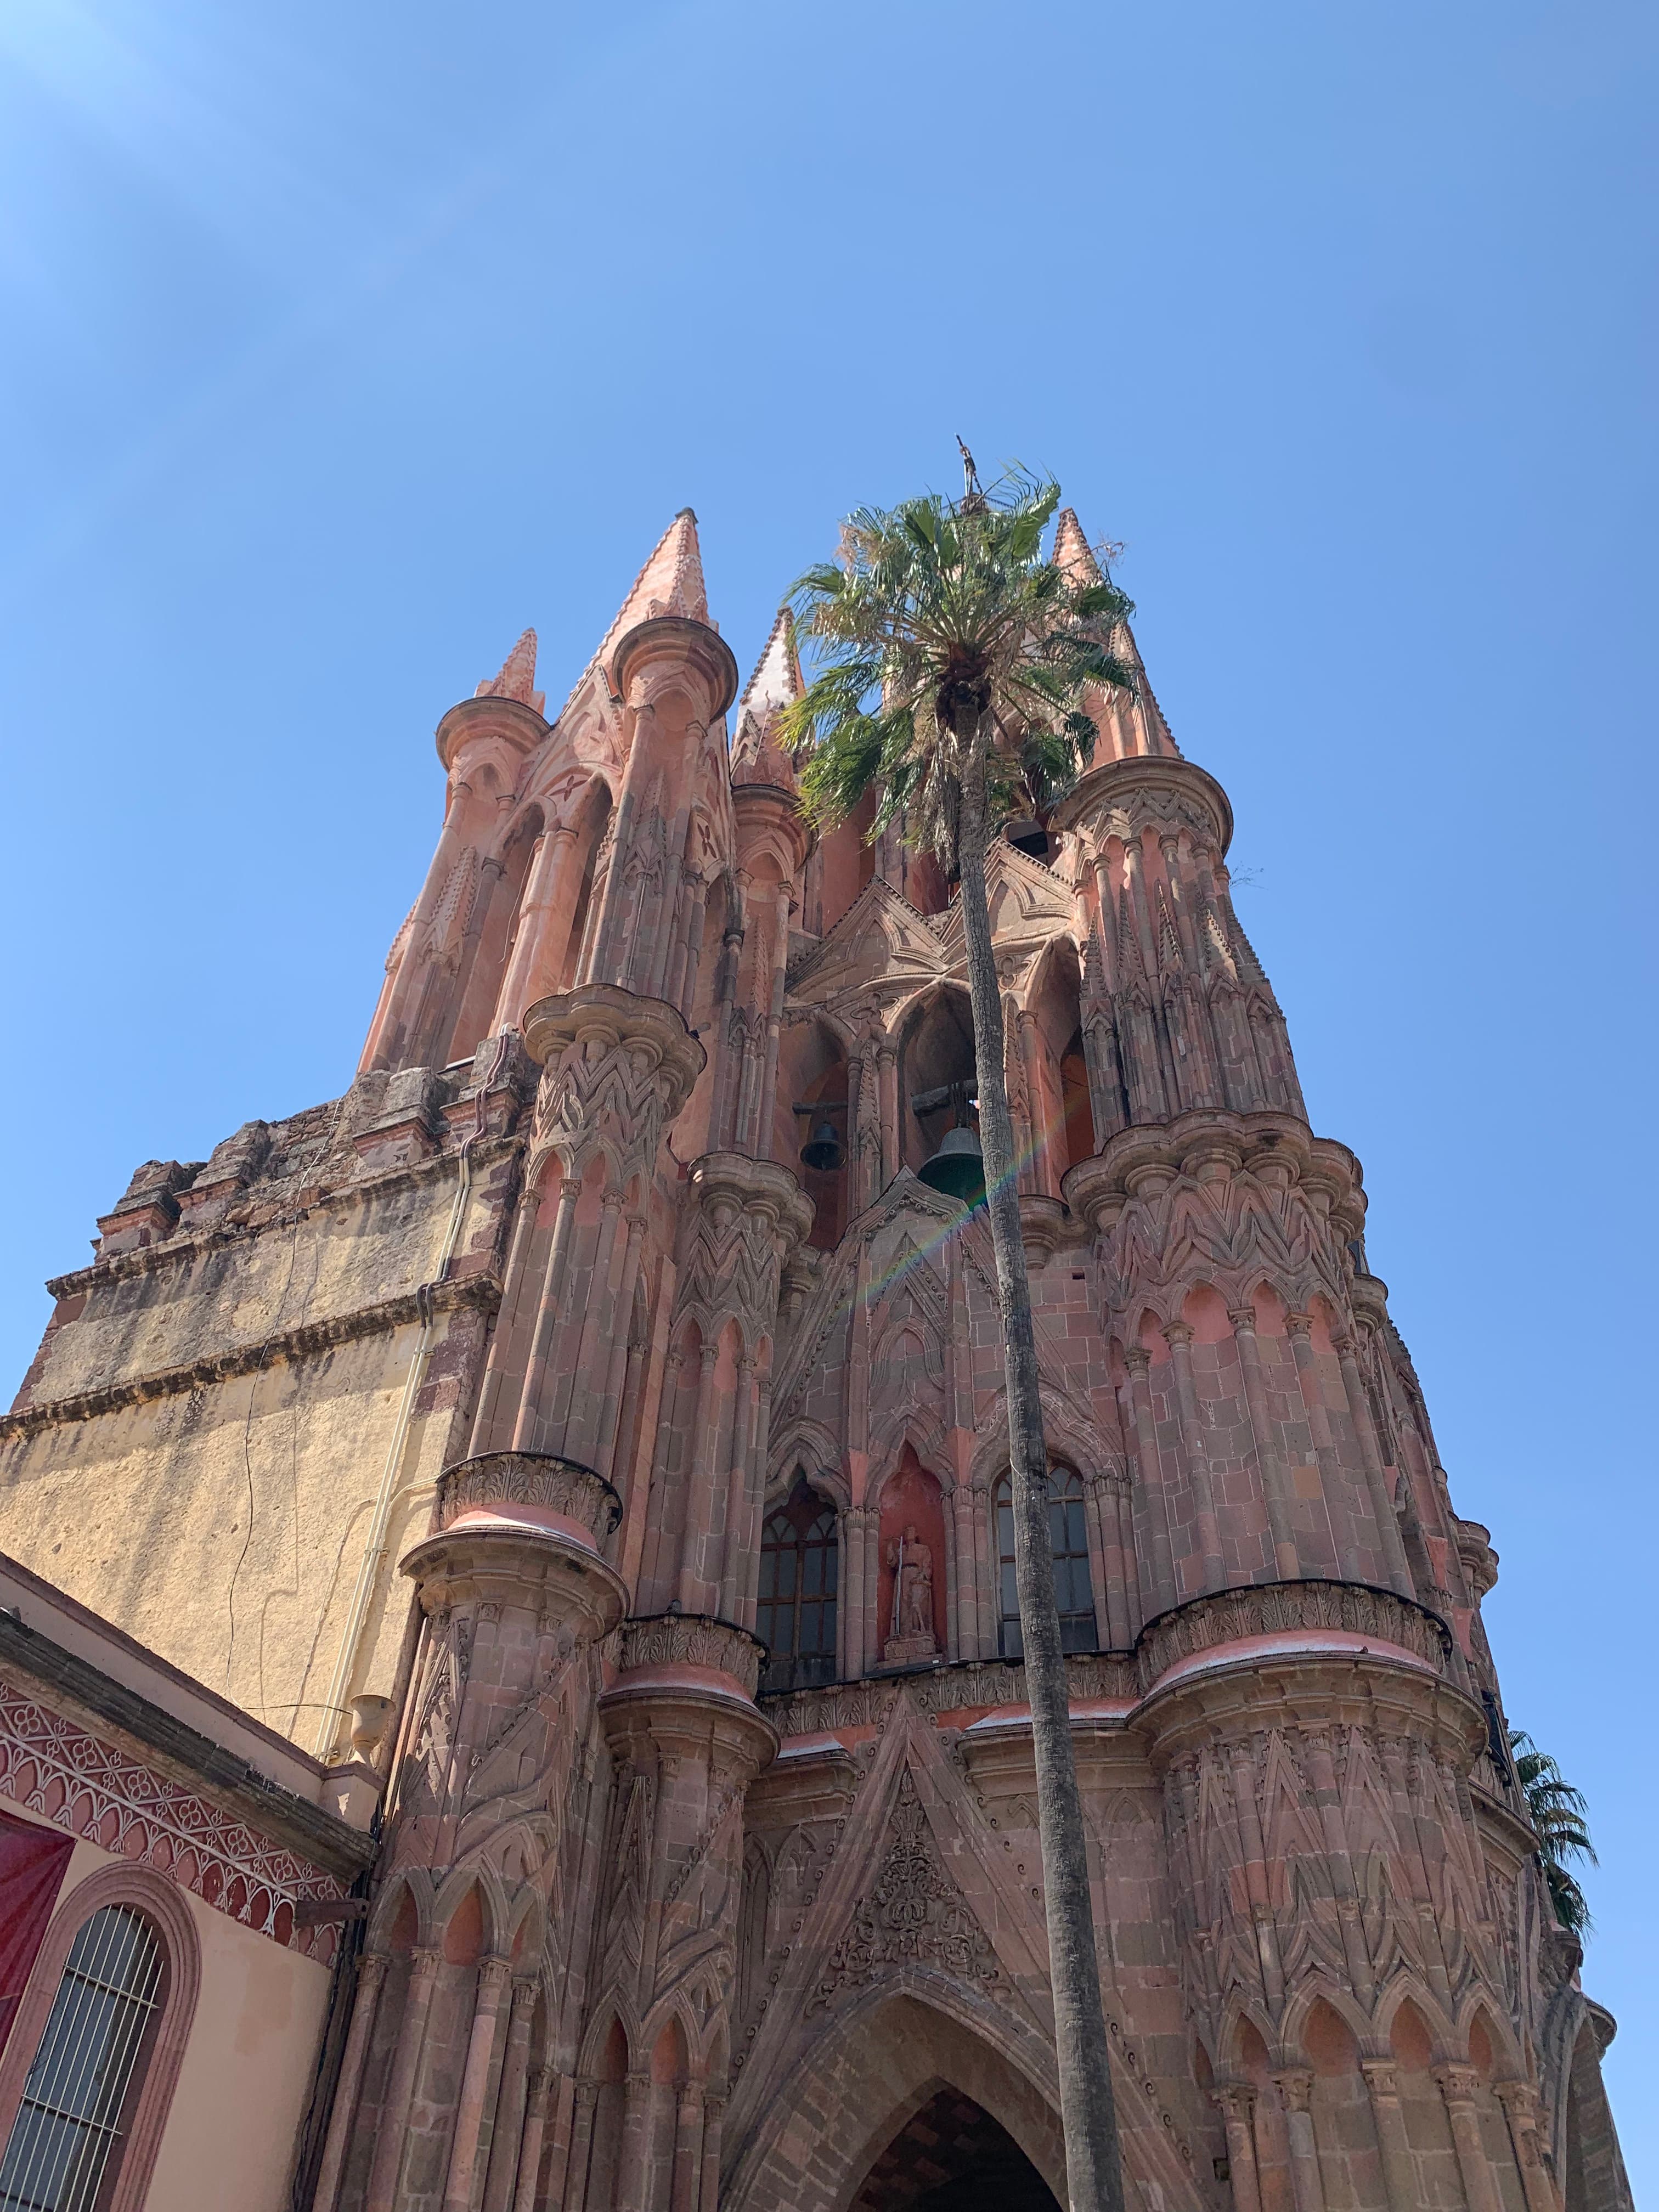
952,660
1557,1811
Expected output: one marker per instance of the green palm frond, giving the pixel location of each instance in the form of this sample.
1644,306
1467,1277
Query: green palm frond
942,616
1558,1812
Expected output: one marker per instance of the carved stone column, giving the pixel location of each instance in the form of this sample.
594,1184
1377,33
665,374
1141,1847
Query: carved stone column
1398,2171
371,1975
1377,1482
686,1738
1238,2103
1275,1489
1179,1337
741,1221
1295,2088
1139,1361
686,2180
511,2116
1318,1427
1457,2086
392,2134
529,2145
1520,2103
495,1983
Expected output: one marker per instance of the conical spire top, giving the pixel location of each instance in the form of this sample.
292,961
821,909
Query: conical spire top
671,583
517,679
1073,552
756,755
1129,726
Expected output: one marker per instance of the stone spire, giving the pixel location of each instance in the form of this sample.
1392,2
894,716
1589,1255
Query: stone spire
517,679
756,754
671,583
1128,725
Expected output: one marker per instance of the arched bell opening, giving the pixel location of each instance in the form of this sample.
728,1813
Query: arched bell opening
938,1095
593,822
816,1075
483,926
1063,1131
952,2157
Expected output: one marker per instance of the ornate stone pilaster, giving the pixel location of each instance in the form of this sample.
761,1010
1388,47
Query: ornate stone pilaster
743,1219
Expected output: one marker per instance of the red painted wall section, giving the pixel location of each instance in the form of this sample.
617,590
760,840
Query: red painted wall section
31,1863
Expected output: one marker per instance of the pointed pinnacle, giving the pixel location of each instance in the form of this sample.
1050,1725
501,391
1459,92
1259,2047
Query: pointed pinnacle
517,679
776,682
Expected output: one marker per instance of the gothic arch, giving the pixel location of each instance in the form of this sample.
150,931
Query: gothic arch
1071,1434
879,2062
922,1432
1317,1990
1410,1988
808,1446
412,1885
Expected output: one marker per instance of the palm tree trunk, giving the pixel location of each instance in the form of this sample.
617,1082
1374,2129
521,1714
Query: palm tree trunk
1093,2169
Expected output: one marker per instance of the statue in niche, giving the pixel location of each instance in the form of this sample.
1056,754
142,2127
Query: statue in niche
912,1638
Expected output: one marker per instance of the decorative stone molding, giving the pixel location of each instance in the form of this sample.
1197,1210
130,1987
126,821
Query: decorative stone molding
984,1685
684,642
1123,799
677,1640
540,1480
89,1789
1269,1608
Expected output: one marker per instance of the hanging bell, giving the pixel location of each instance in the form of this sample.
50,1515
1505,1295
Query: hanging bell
822,1149
958,1167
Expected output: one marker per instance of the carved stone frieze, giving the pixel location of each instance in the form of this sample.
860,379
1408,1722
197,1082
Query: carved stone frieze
534,1479
985,1684
1266,1608
676,1639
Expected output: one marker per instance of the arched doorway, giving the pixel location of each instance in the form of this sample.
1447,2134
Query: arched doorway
952,2156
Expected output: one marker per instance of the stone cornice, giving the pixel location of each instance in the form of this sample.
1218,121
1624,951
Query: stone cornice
300,1342
147,1259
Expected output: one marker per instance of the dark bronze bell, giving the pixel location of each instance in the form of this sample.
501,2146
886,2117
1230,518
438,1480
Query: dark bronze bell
958,1167
823,1150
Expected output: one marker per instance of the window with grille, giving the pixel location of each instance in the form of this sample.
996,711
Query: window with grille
798,1574
67,2138
1068,1535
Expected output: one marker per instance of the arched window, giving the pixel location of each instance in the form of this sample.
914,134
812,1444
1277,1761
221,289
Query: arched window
1068,1535
798,1574
70,2130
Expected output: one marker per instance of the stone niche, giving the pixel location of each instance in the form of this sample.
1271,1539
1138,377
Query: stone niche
910,1622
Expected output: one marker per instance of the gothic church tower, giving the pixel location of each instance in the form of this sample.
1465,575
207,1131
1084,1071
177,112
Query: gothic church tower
586,1436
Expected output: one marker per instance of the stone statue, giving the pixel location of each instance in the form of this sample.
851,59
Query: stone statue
912,1564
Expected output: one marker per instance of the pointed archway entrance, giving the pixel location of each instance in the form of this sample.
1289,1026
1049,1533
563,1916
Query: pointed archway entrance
952,2156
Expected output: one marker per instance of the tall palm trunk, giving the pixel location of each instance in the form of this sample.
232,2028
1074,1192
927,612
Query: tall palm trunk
1093,2169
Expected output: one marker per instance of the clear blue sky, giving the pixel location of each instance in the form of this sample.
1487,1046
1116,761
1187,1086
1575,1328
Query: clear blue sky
343,341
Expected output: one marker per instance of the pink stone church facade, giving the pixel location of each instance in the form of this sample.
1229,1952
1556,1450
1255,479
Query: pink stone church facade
648,1555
